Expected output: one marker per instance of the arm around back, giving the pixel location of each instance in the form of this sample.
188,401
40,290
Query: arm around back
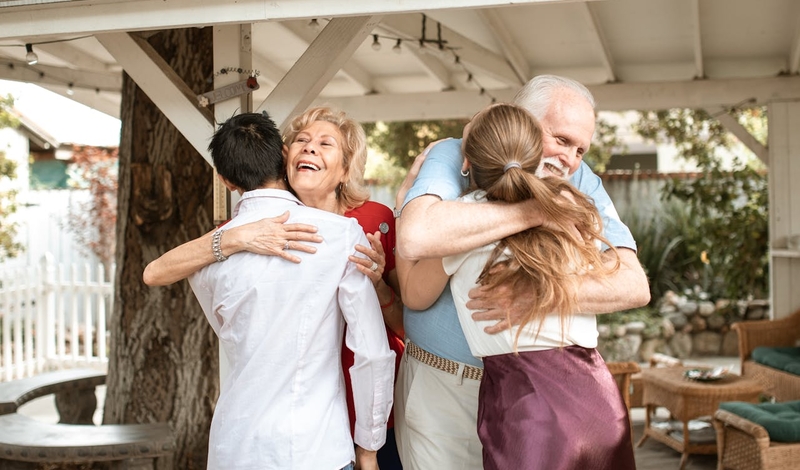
433,225
625,289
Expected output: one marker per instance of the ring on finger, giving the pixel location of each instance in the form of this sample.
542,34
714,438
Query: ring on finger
374,266
286,246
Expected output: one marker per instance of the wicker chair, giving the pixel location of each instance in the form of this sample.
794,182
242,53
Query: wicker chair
622,372
782,385
744,445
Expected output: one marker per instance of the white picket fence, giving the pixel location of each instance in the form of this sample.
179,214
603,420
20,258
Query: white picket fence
53,316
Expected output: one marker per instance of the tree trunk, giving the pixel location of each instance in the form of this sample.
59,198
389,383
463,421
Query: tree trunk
163,364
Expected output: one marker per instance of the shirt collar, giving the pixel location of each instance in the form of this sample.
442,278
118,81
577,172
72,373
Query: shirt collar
266,193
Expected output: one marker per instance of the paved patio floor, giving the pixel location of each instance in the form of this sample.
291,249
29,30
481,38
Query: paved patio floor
651,456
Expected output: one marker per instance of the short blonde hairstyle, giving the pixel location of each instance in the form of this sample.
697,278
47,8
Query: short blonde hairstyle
353,193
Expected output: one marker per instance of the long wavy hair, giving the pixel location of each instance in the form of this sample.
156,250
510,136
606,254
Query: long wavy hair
352,193
548,259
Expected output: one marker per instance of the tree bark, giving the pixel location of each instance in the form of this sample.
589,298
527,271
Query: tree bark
163,362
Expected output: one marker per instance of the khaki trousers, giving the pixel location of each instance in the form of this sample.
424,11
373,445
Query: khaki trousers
435,418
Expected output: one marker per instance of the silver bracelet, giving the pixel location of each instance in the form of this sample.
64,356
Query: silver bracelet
216,241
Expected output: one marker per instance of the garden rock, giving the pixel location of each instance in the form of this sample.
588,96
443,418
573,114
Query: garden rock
755,313
698,323
667,328
706,308
707,343
678,320
635,327
681,345
689,308
666,309
652,346
715,322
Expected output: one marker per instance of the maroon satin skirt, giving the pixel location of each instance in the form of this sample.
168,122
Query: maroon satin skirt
557,409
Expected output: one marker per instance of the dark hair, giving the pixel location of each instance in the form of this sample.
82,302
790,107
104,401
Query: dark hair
504,149
247,151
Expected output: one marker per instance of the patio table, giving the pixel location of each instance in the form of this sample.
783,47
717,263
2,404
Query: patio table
687,400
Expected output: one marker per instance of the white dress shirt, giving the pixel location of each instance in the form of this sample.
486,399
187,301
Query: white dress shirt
281,325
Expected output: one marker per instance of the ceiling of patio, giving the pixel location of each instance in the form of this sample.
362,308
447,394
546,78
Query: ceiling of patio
632,53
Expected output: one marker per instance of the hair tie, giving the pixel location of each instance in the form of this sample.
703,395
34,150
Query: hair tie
511,165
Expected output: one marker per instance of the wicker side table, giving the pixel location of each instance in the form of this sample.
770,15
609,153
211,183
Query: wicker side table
686,400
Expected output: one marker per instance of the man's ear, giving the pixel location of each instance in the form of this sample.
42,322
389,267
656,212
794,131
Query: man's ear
231,187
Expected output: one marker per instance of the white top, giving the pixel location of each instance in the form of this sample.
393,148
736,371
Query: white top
465,268
281,325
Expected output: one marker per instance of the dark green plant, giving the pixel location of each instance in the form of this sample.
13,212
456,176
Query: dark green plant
402,141
661,247
8,230
605,143
727,204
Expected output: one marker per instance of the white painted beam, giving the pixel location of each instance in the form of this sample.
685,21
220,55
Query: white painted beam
34,19
695,94
75,57
472,55
610,97
697,43
433,66
352,71
593,27
324,57
512,51
745,137
155,77
267,70
794,54
38,74
415,106
107,103
232,43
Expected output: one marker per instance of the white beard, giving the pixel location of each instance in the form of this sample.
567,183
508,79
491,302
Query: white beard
559,171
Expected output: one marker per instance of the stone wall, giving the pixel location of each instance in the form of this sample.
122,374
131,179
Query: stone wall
683,326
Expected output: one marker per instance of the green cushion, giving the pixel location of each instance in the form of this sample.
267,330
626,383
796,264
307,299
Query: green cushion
781,420
786,359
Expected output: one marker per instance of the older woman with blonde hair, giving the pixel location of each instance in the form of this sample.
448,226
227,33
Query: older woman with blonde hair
325,153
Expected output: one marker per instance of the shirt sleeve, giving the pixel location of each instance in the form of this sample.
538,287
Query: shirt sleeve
372,373
440,174
614,229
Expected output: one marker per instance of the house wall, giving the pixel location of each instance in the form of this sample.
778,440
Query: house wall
784,173
42,218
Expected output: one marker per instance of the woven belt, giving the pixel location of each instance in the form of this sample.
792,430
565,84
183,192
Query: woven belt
446,365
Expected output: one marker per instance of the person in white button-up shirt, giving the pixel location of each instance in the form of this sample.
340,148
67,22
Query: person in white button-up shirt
281,323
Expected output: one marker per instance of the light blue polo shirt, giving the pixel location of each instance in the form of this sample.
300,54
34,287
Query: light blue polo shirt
437,329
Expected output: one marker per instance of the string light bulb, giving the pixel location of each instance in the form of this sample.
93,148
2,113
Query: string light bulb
31,56
314,25
376,44
397,49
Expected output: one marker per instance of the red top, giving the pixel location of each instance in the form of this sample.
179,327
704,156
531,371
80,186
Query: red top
371,216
